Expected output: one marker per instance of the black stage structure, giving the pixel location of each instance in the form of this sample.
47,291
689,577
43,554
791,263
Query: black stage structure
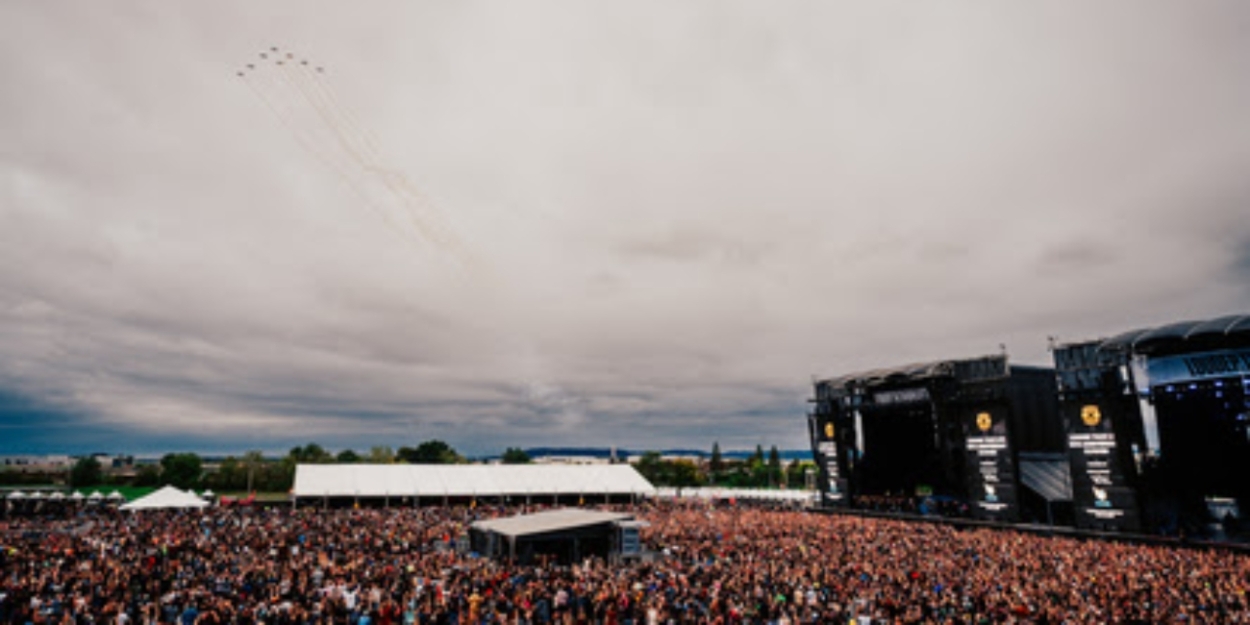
1103,421
951,431
1188,468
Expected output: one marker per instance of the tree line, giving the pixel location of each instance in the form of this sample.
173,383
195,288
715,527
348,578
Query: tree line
253,471
757,471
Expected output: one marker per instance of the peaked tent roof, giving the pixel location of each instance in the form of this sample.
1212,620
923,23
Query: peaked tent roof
549,521
165,498
433,480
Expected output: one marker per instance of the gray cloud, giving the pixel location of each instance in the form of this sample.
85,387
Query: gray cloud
669,216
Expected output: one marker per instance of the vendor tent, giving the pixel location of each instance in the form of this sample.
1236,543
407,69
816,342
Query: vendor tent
166,498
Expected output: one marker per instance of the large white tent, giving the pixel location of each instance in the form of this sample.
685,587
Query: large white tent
440,480
165,498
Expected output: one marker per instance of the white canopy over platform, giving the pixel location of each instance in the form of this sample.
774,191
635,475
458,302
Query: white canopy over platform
549,521
165,498
473,480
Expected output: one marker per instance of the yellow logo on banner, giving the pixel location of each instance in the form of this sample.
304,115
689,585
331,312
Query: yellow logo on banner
829,430
985,421
1091,415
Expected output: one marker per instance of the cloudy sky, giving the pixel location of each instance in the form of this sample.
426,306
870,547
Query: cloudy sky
646,224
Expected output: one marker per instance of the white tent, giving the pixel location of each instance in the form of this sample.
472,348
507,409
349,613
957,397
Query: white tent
95,496
208,494
472,480
35,495
165,498
57,496
744,494
77,496
115,495
17,494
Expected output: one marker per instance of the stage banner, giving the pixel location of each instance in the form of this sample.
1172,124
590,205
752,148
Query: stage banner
832,486
1100,492
991,476
834,491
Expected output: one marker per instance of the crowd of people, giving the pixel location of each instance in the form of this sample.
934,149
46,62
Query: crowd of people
707,565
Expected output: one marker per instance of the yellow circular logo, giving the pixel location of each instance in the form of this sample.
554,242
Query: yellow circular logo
1091,415
829,430
985,421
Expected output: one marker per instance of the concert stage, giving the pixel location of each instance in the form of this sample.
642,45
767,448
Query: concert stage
948,431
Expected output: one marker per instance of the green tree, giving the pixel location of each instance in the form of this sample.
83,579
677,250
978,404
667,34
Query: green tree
253,464
515,455
86,472
312,453
381,454
796,473
774,466
684,473
755,470
716,466
275,476
347,456
148,475
430,452
651,467
181,470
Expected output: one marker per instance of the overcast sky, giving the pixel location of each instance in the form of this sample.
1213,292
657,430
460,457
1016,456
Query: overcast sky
643,224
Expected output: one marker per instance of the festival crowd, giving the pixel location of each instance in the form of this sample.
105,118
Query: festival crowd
710,565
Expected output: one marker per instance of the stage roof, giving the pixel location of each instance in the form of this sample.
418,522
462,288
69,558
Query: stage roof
549,521
473,480
984,367
1180,334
